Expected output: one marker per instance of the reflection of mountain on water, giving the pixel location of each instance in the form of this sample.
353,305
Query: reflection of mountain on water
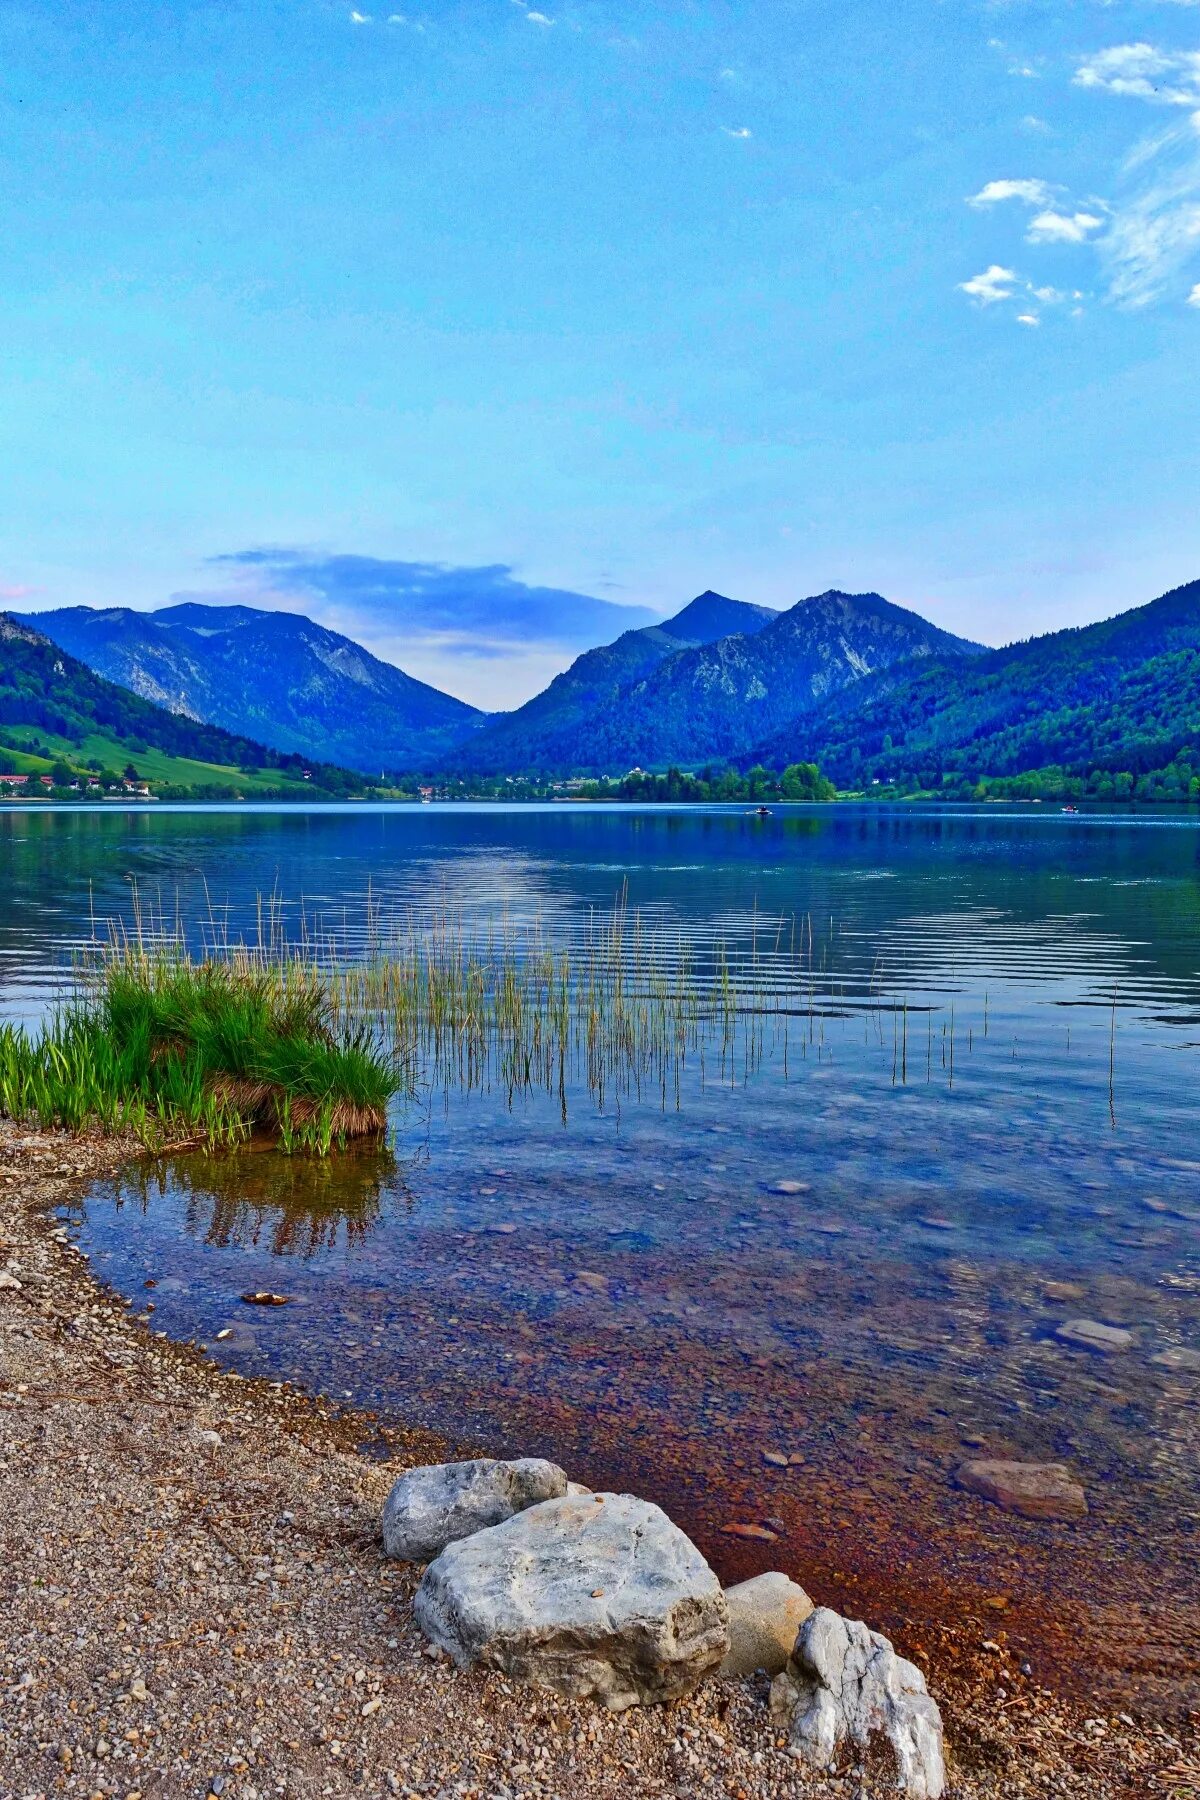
292,1205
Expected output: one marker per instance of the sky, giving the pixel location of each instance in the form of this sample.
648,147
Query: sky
482,332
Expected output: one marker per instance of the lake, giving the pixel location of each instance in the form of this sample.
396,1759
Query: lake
790,1290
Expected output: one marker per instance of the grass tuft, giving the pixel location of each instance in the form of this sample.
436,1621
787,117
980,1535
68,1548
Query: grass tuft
169,1049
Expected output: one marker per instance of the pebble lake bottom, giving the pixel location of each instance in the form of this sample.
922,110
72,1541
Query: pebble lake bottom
790,1296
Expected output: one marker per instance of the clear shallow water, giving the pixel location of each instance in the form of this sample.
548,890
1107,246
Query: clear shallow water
988,1089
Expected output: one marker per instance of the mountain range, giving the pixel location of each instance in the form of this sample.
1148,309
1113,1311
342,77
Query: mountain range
870,691
275,677
547,732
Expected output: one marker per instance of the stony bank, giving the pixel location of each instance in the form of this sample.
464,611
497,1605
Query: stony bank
197,1601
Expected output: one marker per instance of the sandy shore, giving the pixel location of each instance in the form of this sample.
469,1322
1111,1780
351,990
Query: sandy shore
195,1601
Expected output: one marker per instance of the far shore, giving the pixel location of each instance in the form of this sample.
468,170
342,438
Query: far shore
197,1602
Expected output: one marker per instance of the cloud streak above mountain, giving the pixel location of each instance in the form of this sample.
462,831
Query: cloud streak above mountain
479,632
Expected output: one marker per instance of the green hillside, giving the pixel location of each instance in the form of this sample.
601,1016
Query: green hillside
56,714
1110,709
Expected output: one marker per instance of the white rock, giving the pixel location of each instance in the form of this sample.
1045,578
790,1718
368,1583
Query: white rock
846,1681
765,1615
436,1505
600,1598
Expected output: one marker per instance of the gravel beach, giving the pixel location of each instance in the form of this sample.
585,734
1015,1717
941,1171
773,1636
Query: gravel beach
195,1599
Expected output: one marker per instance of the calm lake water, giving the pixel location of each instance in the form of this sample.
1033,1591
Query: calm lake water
969,1116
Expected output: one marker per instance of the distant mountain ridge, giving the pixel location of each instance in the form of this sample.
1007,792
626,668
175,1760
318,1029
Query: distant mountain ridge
276,677
1120,695
716,701
46,693
543,732
653,699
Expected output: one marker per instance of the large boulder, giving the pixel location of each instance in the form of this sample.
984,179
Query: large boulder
433,1506
765,1615
601,1598
845,1681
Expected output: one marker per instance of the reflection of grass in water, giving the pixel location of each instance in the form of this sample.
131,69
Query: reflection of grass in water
296,1206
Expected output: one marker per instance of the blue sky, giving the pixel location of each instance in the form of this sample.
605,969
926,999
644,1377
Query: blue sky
611,300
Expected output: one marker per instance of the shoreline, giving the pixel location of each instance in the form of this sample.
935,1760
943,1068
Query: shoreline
196,1594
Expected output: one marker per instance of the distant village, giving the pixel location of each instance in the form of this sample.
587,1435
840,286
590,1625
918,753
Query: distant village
29,786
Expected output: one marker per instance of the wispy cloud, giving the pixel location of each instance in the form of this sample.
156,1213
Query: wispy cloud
1063,228
995,284
1051,225
481,608
737,131
357,18
480,632
1144,72
1033,193
538,18
998,285
1154,235
1193,298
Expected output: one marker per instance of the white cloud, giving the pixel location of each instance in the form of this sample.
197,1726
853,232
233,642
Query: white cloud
731,76
1035,126
1143,72
999,284
1154,234
996,283
740,131
1193,298
1032,193
1062,228
357,18
538,18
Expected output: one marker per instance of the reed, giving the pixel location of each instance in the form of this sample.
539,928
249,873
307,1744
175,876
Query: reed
309,1031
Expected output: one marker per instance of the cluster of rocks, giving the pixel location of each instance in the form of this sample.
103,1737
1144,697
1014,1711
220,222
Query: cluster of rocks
600,1596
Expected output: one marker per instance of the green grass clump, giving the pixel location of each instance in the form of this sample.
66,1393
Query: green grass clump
170,1049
